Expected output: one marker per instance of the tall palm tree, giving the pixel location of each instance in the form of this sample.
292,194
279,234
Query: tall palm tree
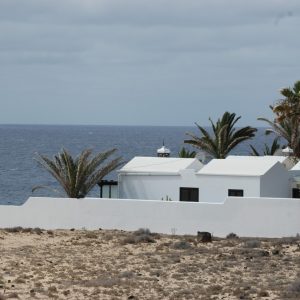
289,106
267,149
224,137
286,123
77,176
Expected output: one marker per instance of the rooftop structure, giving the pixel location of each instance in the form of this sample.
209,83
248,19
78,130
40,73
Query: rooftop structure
163,152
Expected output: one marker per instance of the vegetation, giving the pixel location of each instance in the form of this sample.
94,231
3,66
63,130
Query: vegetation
185,153
224,138
77,176
286,123
267,150
289,106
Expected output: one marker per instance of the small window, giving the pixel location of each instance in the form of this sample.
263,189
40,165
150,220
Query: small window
189,194
296,193
235,193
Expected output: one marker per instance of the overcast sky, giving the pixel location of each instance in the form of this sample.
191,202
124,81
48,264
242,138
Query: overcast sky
145,62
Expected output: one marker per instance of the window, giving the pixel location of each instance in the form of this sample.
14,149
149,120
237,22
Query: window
235,193
108,189
189,194
296,193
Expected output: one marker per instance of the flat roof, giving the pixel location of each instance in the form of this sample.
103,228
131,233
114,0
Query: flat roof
275,158
163,165
296,167
286,161
239,166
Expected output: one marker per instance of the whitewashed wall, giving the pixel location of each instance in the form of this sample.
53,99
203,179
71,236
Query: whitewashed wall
215,187
155,187
276,183
261,217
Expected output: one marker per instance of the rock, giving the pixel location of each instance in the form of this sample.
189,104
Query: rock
204,236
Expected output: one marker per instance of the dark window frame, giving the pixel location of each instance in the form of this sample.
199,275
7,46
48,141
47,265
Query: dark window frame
235,193
193,194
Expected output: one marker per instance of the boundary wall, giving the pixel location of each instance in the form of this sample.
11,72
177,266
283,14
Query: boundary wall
247,217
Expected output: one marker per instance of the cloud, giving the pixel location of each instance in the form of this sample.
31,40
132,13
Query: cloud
205,55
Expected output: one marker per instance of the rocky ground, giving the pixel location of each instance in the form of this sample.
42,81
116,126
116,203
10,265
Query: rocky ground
106,264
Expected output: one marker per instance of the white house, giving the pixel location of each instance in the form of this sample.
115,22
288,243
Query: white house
243,176
156,178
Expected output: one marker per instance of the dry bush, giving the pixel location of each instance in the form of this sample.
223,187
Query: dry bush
183,294
232,236
20,280
182,245
214,289
12,296
142,235
252,244
37,230
27,230
263,294
91,235
127,274
293,290
107,282
16,229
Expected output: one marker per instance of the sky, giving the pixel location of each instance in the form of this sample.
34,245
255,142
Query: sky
142,62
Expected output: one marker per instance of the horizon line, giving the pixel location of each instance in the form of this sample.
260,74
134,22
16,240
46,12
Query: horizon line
110,125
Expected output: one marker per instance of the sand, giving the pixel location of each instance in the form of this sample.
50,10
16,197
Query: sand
110,264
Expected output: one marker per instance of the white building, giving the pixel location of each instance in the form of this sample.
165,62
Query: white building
186,179
157,178
243,176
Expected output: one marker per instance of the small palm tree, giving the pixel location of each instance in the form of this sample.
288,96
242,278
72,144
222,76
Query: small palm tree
267,150
224,137
184,153
77,176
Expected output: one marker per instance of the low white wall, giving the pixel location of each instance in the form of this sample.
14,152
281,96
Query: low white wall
261,217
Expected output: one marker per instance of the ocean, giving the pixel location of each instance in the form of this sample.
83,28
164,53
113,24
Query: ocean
19,172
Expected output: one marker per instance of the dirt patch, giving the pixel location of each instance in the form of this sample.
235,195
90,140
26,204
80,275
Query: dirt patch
111,264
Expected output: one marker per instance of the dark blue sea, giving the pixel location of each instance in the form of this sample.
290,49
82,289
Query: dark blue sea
19,172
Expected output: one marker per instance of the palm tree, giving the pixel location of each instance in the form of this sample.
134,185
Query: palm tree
287,129
287,120
267,150
184,153
289,106
77,176
224,137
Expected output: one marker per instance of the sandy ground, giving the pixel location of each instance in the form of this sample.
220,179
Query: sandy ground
105,264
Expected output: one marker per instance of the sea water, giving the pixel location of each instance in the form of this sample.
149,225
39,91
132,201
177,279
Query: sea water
19,144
